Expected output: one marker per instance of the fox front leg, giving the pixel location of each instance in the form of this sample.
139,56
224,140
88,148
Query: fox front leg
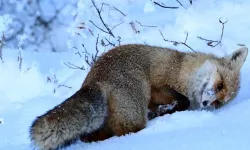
161,110
167,109
166,100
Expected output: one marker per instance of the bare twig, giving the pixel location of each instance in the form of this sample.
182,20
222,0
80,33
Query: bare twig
20,59
117,25
119,40
177,43
2,41
180,3
55,79
94,57
119,11
217,42
164,6
206,39
209,42
132,24
78,53
49,79
102,6
241,44
87,60
109,43
86,56
115,8
98,27
191,2
145,25
104,24
72,66
28,69
186,38
91,32
85,50
62,85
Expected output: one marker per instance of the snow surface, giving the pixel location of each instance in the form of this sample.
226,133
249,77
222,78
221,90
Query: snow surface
26,93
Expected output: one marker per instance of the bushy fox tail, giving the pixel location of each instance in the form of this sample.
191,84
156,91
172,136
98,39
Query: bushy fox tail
82,113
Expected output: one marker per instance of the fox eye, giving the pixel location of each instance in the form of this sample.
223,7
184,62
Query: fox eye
219,87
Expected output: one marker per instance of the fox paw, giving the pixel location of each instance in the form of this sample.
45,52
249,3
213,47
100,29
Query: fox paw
168,108
152,115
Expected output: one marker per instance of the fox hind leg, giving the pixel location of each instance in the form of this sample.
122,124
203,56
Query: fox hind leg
100,135
128,110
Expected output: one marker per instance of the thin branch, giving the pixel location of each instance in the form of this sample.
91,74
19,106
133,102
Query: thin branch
85,49
117,25
191,2
222,31
72,66
62,85
49,79
102,6
217,42
120,11
109,42
177,43
55,79
2,42
91,32
100,16
119,40
114,8
145,25
87,60
206,39
132,24
20,59
164,6
180,3
94,58
86,56
186,38
79,54
98,27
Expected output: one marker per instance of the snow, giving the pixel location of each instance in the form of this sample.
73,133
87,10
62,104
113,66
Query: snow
149,7
187,130
35,88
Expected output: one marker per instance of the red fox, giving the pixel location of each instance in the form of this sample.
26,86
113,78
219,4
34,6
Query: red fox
124,83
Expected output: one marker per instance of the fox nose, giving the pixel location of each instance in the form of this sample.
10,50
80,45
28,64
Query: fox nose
205,103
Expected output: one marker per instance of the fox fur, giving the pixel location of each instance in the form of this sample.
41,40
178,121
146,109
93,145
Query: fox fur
117,92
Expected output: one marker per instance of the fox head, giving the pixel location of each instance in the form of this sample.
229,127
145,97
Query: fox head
217,81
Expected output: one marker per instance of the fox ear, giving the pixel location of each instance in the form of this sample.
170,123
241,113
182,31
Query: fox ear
238,57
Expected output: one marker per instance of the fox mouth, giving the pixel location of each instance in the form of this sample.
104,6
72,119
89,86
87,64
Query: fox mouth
214,105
